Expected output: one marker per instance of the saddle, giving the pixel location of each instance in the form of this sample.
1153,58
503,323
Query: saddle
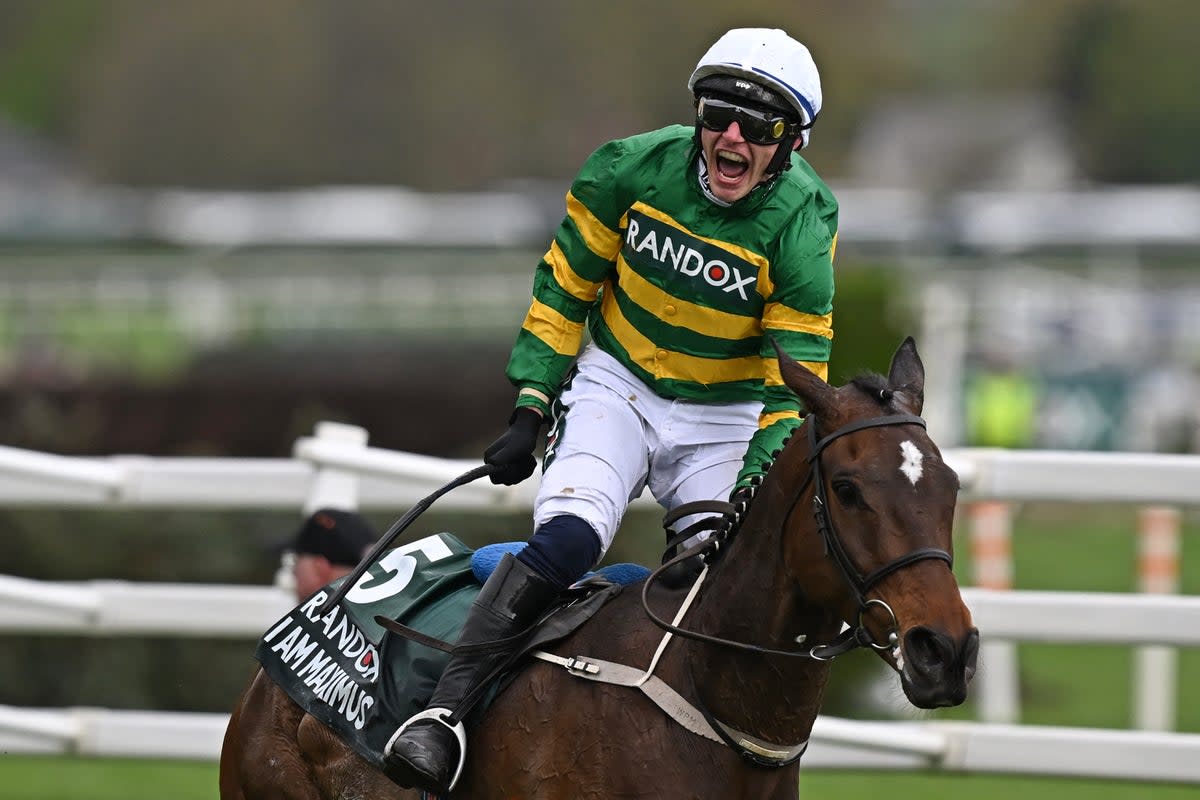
350,670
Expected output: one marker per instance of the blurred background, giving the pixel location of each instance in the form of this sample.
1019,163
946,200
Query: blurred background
223,222
220,222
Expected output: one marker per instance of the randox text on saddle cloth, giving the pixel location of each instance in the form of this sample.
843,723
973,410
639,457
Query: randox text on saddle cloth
342,668
306,652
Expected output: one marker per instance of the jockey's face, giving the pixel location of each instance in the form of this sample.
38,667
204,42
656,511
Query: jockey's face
735,165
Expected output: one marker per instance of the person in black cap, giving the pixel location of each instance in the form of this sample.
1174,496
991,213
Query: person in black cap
328,545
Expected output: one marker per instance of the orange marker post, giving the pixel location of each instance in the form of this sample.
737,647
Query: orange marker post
1155,668
991,558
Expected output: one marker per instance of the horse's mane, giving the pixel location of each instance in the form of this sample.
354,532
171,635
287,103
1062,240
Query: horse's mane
876,387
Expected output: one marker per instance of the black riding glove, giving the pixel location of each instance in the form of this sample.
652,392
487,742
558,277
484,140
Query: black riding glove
513,452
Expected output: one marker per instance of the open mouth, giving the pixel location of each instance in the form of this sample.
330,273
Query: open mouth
731,166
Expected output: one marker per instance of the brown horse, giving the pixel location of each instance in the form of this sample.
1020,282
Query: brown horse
852,523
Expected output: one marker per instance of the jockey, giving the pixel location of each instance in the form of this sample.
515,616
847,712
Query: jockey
685,251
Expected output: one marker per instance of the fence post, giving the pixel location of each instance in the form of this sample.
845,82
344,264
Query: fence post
331,488
334,488
997,682
1155,666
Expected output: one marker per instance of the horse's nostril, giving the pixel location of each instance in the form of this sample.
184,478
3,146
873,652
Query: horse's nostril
927,649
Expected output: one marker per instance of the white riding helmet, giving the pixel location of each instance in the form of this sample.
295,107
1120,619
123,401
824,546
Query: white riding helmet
770,58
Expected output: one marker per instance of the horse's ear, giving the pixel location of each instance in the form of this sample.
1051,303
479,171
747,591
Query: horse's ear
814,393
907,375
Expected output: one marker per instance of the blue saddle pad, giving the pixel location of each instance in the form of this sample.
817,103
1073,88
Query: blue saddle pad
485,559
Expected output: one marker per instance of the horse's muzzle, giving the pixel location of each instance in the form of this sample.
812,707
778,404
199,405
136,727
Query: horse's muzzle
937,667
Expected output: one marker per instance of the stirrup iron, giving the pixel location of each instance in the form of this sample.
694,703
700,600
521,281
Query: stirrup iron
437,715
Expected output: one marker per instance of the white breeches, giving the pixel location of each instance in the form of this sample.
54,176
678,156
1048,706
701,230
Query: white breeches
617,438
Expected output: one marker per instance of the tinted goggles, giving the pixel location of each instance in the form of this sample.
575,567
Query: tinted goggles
759,127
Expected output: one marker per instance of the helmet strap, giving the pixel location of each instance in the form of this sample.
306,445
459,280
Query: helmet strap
782,160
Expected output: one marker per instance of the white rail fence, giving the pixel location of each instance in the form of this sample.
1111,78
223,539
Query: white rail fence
390,479
836,744
115,608
337,467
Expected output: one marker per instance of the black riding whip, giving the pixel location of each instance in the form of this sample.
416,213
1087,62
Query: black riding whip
397,528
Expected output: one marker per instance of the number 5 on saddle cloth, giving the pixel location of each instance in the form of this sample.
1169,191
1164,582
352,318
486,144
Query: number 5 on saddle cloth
362,681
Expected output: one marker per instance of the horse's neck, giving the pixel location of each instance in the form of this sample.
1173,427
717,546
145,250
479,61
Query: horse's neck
751,599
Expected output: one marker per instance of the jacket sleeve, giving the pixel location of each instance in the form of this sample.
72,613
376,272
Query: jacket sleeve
799,316
568,281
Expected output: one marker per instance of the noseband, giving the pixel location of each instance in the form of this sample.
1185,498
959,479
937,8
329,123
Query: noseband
858,583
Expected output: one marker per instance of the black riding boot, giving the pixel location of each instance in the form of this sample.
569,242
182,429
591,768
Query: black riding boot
424,752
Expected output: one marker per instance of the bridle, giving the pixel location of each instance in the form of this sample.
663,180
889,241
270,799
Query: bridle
859,584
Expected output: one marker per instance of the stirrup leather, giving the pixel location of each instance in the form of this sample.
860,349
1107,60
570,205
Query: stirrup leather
437,715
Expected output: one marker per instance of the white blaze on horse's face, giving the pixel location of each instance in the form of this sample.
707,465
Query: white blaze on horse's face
911,467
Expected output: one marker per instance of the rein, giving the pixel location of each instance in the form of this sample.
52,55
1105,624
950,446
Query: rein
397,528
860,585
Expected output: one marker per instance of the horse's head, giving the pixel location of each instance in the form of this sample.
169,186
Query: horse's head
883,501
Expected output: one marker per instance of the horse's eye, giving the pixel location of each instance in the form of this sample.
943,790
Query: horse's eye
847,493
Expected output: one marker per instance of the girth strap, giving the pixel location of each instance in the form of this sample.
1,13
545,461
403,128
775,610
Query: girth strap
666,698
677,708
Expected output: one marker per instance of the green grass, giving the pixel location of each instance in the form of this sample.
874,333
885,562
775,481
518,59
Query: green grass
43,778
913,786
1055,548
49,778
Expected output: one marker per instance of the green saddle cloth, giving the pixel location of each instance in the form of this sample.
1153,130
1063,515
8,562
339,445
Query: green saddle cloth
361,680
342,668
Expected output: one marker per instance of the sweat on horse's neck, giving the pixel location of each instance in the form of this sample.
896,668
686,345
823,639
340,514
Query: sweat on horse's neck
750,597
